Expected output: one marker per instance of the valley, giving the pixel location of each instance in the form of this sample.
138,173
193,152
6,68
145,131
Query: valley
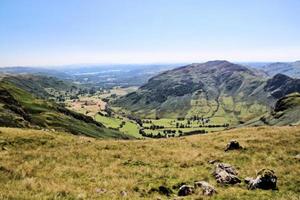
149,100
193,99
149,141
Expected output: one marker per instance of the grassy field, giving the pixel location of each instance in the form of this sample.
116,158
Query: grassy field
109,122
129,128
42,165
86,105
118,91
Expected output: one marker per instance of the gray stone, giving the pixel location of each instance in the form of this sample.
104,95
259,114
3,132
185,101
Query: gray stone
207,189
226,174
266,180
185,190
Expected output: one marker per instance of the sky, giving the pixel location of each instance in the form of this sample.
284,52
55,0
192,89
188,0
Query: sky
59,32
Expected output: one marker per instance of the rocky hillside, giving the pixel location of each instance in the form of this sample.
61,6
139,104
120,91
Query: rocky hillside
19,108
281,85
285,112
215,89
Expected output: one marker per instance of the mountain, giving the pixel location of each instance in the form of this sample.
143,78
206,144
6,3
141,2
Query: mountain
35,71
19,108
281,85
291,69
40,86
218,90
285,112
105,75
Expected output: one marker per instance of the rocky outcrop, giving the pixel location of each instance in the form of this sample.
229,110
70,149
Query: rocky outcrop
266,180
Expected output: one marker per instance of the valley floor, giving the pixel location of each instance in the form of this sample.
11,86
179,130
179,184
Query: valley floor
42,165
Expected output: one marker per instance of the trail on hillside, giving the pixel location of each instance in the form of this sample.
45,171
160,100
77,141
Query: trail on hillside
218,103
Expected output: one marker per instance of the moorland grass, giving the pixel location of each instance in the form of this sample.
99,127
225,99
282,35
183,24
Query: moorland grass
42,165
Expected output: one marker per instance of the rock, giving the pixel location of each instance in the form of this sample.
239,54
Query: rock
226,174
164,190
185,190
297,157
123,193
100,190
266,180
233,145
207,189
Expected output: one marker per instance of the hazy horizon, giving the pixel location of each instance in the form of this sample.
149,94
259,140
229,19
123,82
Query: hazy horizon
74,32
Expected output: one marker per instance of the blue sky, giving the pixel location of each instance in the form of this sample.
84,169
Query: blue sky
57,32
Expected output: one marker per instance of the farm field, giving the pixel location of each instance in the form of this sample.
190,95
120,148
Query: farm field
86,105
118,91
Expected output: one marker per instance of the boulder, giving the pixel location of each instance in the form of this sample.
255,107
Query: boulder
207,189
163,190
185,190
233,145
266,180
226,174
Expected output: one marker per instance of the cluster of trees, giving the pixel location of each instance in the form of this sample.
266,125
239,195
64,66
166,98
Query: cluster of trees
170,133
214,125
193,132
147,121
151,135
137,120
154,127
180,125
122,124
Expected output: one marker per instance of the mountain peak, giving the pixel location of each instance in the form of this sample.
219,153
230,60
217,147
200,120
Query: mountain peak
282,77
218,62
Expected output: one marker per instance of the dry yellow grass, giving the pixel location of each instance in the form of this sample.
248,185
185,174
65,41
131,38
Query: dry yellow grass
42,165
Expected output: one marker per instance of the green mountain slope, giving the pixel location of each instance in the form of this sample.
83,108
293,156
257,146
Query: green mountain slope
219,90
285,112
41,86
19,108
